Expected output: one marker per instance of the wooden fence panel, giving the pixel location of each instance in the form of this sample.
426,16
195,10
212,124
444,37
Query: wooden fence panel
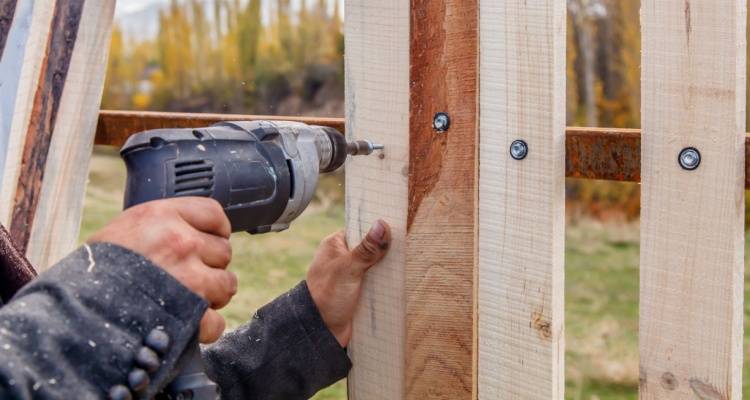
377,108
693,78
521,201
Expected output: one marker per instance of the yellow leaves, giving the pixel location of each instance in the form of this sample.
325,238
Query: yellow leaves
141,101
211,54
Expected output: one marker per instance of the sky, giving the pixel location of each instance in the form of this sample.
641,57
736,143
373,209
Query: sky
131,6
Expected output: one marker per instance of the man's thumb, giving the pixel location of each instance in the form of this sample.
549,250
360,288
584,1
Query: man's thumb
373,247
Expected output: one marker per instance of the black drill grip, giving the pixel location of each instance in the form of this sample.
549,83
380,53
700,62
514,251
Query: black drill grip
192,383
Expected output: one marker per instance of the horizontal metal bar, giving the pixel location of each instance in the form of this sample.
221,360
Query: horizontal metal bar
115,127
591,153
603,153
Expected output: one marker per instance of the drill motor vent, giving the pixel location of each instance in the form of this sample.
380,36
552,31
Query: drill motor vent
194,178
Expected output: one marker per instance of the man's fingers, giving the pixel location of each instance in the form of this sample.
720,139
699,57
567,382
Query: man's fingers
204,214
373,247
216,286
215,251
212,326
222,287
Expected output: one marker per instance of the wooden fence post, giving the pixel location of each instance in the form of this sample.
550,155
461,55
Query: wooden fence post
692,232
414,333
54,105
521,199
377,108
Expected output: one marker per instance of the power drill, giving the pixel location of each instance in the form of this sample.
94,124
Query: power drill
263,173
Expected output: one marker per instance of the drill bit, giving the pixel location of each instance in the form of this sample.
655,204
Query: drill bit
362,147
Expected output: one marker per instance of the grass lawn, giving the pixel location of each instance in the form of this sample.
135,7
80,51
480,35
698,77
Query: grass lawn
601,282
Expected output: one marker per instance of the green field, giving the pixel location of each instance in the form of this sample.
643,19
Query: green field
601,282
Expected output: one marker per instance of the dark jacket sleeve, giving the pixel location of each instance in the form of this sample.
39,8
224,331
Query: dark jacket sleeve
285,352
79,330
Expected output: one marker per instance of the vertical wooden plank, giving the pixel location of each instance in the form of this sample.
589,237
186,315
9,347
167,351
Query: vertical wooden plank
377,108
440,247
58,214
521,202
53,112
691,312
407,61
47,99
20,73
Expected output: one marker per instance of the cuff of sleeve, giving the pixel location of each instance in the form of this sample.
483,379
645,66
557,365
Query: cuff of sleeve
121,289
175,299
301,303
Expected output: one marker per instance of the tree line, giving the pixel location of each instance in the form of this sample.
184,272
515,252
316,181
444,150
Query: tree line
222,57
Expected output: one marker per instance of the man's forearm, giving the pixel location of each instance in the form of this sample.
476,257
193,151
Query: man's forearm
284,352
76,332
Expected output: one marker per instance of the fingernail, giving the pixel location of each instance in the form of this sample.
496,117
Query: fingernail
377,231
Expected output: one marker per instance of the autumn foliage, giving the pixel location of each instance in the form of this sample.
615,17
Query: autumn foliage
220,56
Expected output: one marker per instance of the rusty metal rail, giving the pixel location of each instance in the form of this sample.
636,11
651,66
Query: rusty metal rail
591,153
115,127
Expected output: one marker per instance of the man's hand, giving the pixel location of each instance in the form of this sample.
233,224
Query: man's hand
189,239
335,276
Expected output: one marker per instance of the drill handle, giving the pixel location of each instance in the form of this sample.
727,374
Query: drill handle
192,381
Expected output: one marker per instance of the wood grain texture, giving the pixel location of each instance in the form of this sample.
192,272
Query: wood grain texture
20,74
46,103
440,248
521,203
377,108
691,303
57,218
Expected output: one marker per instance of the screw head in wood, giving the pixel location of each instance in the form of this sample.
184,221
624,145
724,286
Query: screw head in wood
441,122
519,149
690,158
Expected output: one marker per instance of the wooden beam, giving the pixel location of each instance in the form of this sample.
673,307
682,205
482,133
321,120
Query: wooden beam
692,231
377,108
521,200
54,125
440,244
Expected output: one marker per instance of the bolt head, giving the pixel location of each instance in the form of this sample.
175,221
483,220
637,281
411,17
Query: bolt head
441,122
690,158
519,150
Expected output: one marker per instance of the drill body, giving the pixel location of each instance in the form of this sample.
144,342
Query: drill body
263,173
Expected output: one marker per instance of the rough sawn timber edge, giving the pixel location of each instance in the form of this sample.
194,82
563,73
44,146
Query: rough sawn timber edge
441,239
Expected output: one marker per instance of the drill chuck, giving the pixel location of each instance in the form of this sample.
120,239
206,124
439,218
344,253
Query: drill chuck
362,148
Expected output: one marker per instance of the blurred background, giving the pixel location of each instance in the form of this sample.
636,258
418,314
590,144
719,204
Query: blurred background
285,57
